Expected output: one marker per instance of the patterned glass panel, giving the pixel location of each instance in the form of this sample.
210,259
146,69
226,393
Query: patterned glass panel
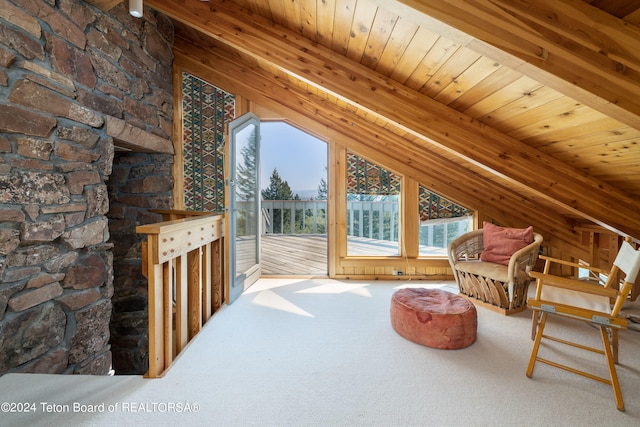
364,177
205,110
433,206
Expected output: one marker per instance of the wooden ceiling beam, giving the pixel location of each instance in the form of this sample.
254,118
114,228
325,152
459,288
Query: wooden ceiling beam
363,88
321,117
568,45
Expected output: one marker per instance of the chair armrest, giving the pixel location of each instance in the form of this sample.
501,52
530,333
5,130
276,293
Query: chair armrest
524,258
571,284
574,264
468,245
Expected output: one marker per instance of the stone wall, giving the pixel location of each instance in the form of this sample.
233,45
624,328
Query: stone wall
66,69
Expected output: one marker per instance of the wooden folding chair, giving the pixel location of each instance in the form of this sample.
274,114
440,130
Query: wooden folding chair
593,303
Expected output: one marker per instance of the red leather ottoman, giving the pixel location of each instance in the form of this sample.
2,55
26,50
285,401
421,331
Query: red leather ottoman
434,318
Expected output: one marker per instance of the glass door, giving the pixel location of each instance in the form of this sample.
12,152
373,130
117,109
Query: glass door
244,211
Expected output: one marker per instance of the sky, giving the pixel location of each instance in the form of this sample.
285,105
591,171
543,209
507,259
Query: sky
300,158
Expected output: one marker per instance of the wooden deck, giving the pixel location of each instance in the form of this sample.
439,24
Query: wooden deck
306,254
294,255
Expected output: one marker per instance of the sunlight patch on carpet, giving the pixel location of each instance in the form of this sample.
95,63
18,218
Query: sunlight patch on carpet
270,299
264,284
338,288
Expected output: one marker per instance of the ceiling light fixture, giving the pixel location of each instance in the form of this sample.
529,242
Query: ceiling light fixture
135,8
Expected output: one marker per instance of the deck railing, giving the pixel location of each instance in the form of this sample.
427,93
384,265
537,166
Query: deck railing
182,260
294,216
373,220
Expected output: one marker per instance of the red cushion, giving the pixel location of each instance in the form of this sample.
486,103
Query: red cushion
502,242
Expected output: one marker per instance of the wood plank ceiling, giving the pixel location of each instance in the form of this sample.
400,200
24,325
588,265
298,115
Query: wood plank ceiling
527,110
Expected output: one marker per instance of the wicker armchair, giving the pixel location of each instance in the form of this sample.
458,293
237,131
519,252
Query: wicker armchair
499,287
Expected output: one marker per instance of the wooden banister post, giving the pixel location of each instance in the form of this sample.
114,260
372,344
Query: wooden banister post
167,312
182,322
217,274
194,292
206,283
156,325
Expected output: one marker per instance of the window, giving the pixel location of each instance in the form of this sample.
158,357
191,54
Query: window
441,221
373,209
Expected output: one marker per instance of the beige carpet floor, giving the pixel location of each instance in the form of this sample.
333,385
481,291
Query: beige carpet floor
323,353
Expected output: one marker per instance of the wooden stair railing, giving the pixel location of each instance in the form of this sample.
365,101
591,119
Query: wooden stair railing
603,248
183,262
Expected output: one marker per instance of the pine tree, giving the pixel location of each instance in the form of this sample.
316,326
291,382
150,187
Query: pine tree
246,172
278,189
322,190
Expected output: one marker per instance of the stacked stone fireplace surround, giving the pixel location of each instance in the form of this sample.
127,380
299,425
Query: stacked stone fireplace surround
75,84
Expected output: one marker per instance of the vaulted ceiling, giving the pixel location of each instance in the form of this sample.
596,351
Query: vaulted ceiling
528,111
